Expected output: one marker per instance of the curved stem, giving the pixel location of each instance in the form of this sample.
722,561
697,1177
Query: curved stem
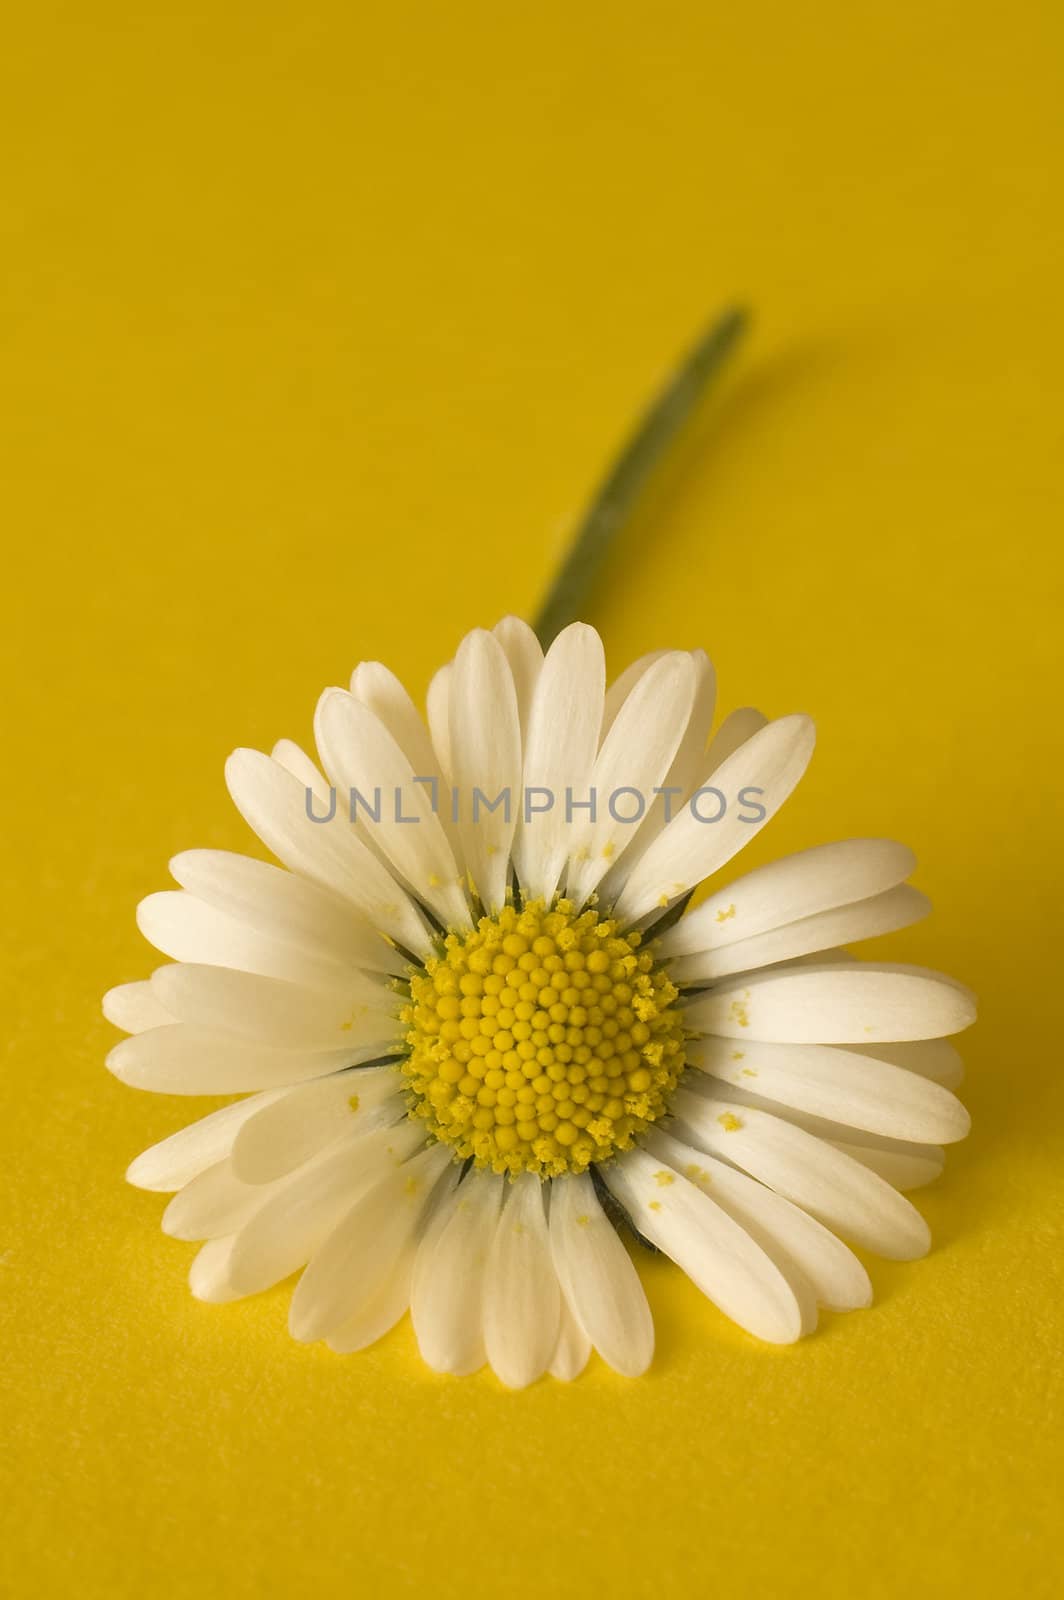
616,495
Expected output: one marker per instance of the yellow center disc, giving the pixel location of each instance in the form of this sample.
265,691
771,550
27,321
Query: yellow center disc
541,1041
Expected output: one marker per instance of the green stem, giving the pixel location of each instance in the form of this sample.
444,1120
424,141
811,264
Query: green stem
619,490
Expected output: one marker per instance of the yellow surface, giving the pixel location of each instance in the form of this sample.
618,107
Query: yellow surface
319,321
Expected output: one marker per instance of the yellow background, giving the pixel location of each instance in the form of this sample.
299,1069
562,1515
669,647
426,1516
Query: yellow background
319,323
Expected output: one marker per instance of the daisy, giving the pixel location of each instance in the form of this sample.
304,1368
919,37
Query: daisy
476,1038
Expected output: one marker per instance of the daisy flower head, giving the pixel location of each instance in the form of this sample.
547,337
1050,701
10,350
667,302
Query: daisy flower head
477,1029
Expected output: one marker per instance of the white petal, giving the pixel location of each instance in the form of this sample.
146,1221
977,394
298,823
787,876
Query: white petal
737,727
572,1348
436,1217
905,1165
486,751
441,1210
525,655
836,1003
360,754
302,1210
683,776
175,1161
379,689
636,754
841,1085
274,804
384,1308
289,1131
135,1007
213,1204
286,908
438,716
746,1210
182,1059
866,919
623,684
902,1169
294,759
560,748
754,781
390,1302
208,1276
937,1059
719,1256
360,1012
790,890
448,1295
838,1191
186,928
598,1279
521,1297
689,762
802,1248
357,1259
